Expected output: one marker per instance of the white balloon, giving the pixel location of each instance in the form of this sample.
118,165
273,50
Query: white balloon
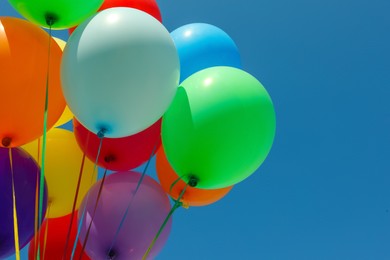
119,71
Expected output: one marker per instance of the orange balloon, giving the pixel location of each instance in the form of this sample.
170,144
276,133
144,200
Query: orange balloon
23,74
192,196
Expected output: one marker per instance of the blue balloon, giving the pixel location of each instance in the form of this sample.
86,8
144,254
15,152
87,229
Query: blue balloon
202,46
119,72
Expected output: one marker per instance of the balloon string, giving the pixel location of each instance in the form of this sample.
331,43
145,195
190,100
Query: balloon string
101,136
173,184
93,214
75,201
15,216
36,210
46,232
36,214
42,179
37,197
39,149
173,209
131,200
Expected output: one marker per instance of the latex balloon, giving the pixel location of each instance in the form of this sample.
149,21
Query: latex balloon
118,76
65,117
23,66
61,14
148,209
219,128
192,196
62,168
119,154
67,114
201,46
26,172
53,248
147,6
61,43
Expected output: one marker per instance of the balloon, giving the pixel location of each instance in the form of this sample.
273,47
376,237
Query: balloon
219,128
147,6
201,46
192,196
62,168
23,66
148,209
65,117
67,114
119,76
56,240
61,43
62,13
119,154
26,172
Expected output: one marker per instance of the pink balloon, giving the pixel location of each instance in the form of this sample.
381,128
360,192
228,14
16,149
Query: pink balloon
147,212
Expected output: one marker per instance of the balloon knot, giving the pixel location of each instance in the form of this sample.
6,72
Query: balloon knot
101,133
109,158
193,181
185,205
111,254
50,18
6,141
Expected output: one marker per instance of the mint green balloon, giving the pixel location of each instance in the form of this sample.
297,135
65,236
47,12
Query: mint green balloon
63,13
219,128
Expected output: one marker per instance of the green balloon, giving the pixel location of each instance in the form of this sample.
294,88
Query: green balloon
219,128
62,14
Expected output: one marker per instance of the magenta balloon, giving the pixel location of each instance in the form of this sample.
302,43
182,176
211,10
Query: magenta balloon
147,212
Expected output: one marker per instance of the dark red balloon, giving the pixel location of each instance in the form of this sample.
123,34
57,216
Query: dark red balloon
119,154
56,239
147,6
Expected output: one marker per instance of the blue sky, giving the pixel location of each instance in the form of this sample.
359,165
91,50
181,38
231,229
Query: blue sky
324,190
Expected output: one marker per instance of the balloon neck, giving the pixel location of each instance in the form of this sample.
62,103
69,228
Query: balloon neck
185,205
101,133
111,254
6,141
50,18
109,158
193,181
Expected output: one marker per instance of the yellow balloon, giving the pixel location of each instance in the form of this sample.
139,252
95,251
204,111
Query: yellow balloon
65,117
62,167
60,43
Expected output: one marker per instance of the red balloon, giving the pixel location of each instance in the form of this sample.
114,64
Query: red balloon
147,6
56,239
119,154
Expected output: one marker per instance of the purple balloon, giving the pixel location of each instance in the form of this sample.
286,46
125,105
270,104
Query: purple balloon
147,212
26,172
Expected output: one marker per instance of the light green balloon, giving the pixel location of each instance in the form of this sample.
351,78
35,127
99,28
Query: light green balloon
219,128
66,13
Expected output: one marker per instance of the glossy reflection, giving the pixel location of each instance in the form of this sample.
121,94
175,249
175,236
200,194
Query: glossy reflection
201,46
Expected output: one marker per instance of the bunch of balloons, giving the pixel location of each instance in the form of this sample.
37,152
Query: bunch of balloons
133,91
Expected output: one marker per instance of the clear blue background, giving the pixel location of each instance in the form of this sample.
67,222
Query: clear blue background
324,191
